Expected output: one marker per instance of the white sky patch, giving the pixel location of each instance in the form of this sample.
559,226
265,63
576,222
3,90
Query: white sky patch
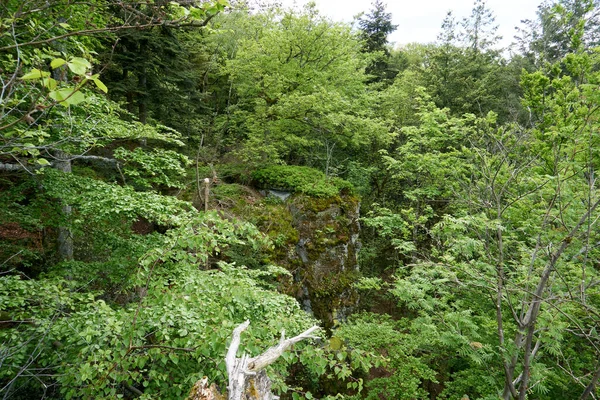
420,20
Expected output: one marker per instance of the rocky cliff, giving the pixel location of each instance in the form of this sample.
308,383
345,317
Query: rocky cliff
323,260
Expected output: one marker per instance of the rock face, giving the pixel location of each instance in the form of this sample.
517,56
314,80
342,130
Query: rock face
314,238
325,254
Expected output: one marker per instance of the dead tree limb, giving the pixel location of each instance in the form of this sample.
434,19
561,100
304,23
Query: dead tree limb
271,355
247,378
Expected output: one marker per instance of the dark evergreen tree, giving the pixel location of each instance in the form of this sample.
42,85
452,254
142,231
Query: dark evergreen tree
445,60
375,27
479,30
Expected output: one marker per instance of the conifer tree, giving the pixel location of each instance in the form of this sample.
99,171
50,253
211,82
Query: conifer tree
549,36
480,29
376,27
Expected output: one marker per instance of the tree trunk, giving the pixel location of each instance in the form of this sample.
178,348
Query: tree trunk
65,237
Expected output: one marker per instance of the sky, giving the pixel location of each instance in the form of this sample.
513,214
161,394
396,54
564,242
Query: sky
420,20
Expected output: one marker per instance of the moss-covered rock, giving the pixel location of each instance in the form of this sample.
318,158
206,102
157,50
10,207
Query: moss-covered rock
316,239
314,234
328,244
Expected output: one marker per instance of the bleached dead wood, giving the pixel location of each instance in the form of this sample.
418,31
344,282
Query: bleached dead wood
202,391
271,355
248,372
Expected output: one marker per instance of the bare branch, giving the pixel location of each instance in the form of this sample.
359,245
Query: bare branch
12,167
272,354
233,347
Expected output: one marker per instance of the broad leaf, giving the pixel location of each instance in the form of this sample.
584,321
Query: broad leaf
101,85
79,65
35,74
57,63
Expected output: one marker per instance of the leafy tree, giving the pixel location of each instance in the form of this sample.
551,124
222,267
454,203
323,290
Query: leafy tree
49,115
514,227
62,29
477,174
301,92
156,346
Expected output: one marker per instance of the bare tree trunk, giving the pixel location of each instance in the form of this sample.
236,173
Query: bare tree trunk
206,193
592,386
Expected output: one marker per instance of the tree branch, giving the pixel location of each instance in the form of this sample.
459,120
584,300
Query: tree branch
12,167
180,23
271,355
233,347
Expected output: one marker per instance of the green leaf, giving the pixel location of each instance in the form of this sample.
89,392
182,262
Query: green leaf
43,161
67,96
79,65
57,63
76,98
35,74
335,343
101,85
61,94
50,84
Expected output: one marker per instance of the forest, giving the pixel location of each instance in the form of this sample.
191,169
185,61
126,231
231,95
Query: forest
229,199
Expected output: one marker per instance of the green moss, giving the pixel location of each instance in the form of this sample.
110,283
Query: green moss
231,191
317,204
234,173
301,180
334,285
84,171
346,203
322,212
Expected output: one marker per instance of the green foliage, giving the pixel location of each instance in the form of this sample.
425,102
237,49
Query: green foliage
501,188
376,27
159,168
465,71
181,323
480,201
181,319
559,28
405,370
301,180
301,88
97,201
338,367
